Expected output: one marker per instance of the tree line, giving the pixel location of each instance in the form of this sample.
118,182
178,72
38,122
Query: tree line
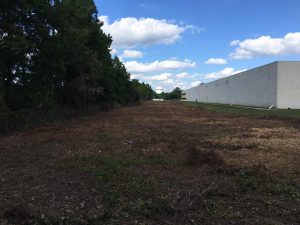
175,94
54,54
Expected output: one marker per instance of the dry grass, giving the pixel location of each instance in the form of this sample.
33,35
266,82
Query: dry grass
199,157
153,164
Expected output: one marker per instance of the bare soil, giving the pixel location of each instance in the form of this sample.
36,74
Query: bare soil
155,163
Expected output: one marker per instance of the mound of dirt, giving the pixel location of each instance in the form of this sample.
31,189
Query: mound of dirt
198,157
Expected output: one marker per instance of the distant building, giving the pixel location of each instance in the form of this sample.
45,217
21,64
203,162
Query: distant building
276,84
159,90
183,96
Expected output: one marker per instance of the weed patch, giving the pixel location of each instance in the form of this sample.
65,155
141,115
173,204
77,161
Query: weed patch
257,181
107,167
103,167
196,157
104,137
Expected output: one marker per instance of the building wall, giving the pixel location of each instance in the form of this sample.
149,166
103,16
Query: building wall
288,89
256,87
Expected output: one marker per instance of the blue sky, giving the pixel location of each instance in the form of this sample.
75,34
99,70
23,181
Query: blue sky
183,43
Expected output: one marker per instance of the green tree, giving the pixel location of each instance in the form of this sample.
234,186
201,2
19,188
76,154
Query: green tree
21,29
144,90
53,53
173,95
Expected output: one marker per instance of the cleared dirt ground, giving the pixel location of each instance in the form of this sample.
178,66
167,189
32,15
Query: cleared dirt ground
155,163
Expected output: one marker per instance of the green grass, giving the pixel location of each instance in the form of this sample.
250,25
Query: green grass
253,181
107,167
280,113
126,192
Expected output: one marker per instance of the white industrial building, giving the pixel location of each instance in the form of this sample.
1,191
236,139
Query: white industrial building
276,84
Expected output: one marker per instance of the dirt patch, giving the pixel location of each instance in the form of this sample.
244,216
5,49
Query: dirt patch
199,157
153,164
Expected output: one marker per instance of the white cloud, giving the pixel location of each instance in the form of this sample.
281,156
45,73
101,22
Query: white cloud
169,81
170,84
182,75
267,46
223,73
235,42
136,76
216,61
171,64
159,77
195,83
132,54
130,32
113,51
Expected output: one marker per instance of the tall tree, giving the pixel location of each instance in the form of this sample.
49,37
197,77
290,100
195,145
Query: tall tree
21,29
53,53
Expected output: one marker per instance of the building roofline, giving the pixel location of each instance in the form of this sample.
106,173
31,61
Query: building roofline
237,74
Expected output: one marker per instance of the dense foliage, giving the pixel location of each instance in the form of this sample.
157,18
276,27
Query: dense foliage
144,90
53,54
173,95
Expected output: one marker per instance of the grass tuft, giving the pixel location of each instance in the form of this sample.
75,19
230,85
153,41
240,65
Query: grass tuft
243,110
